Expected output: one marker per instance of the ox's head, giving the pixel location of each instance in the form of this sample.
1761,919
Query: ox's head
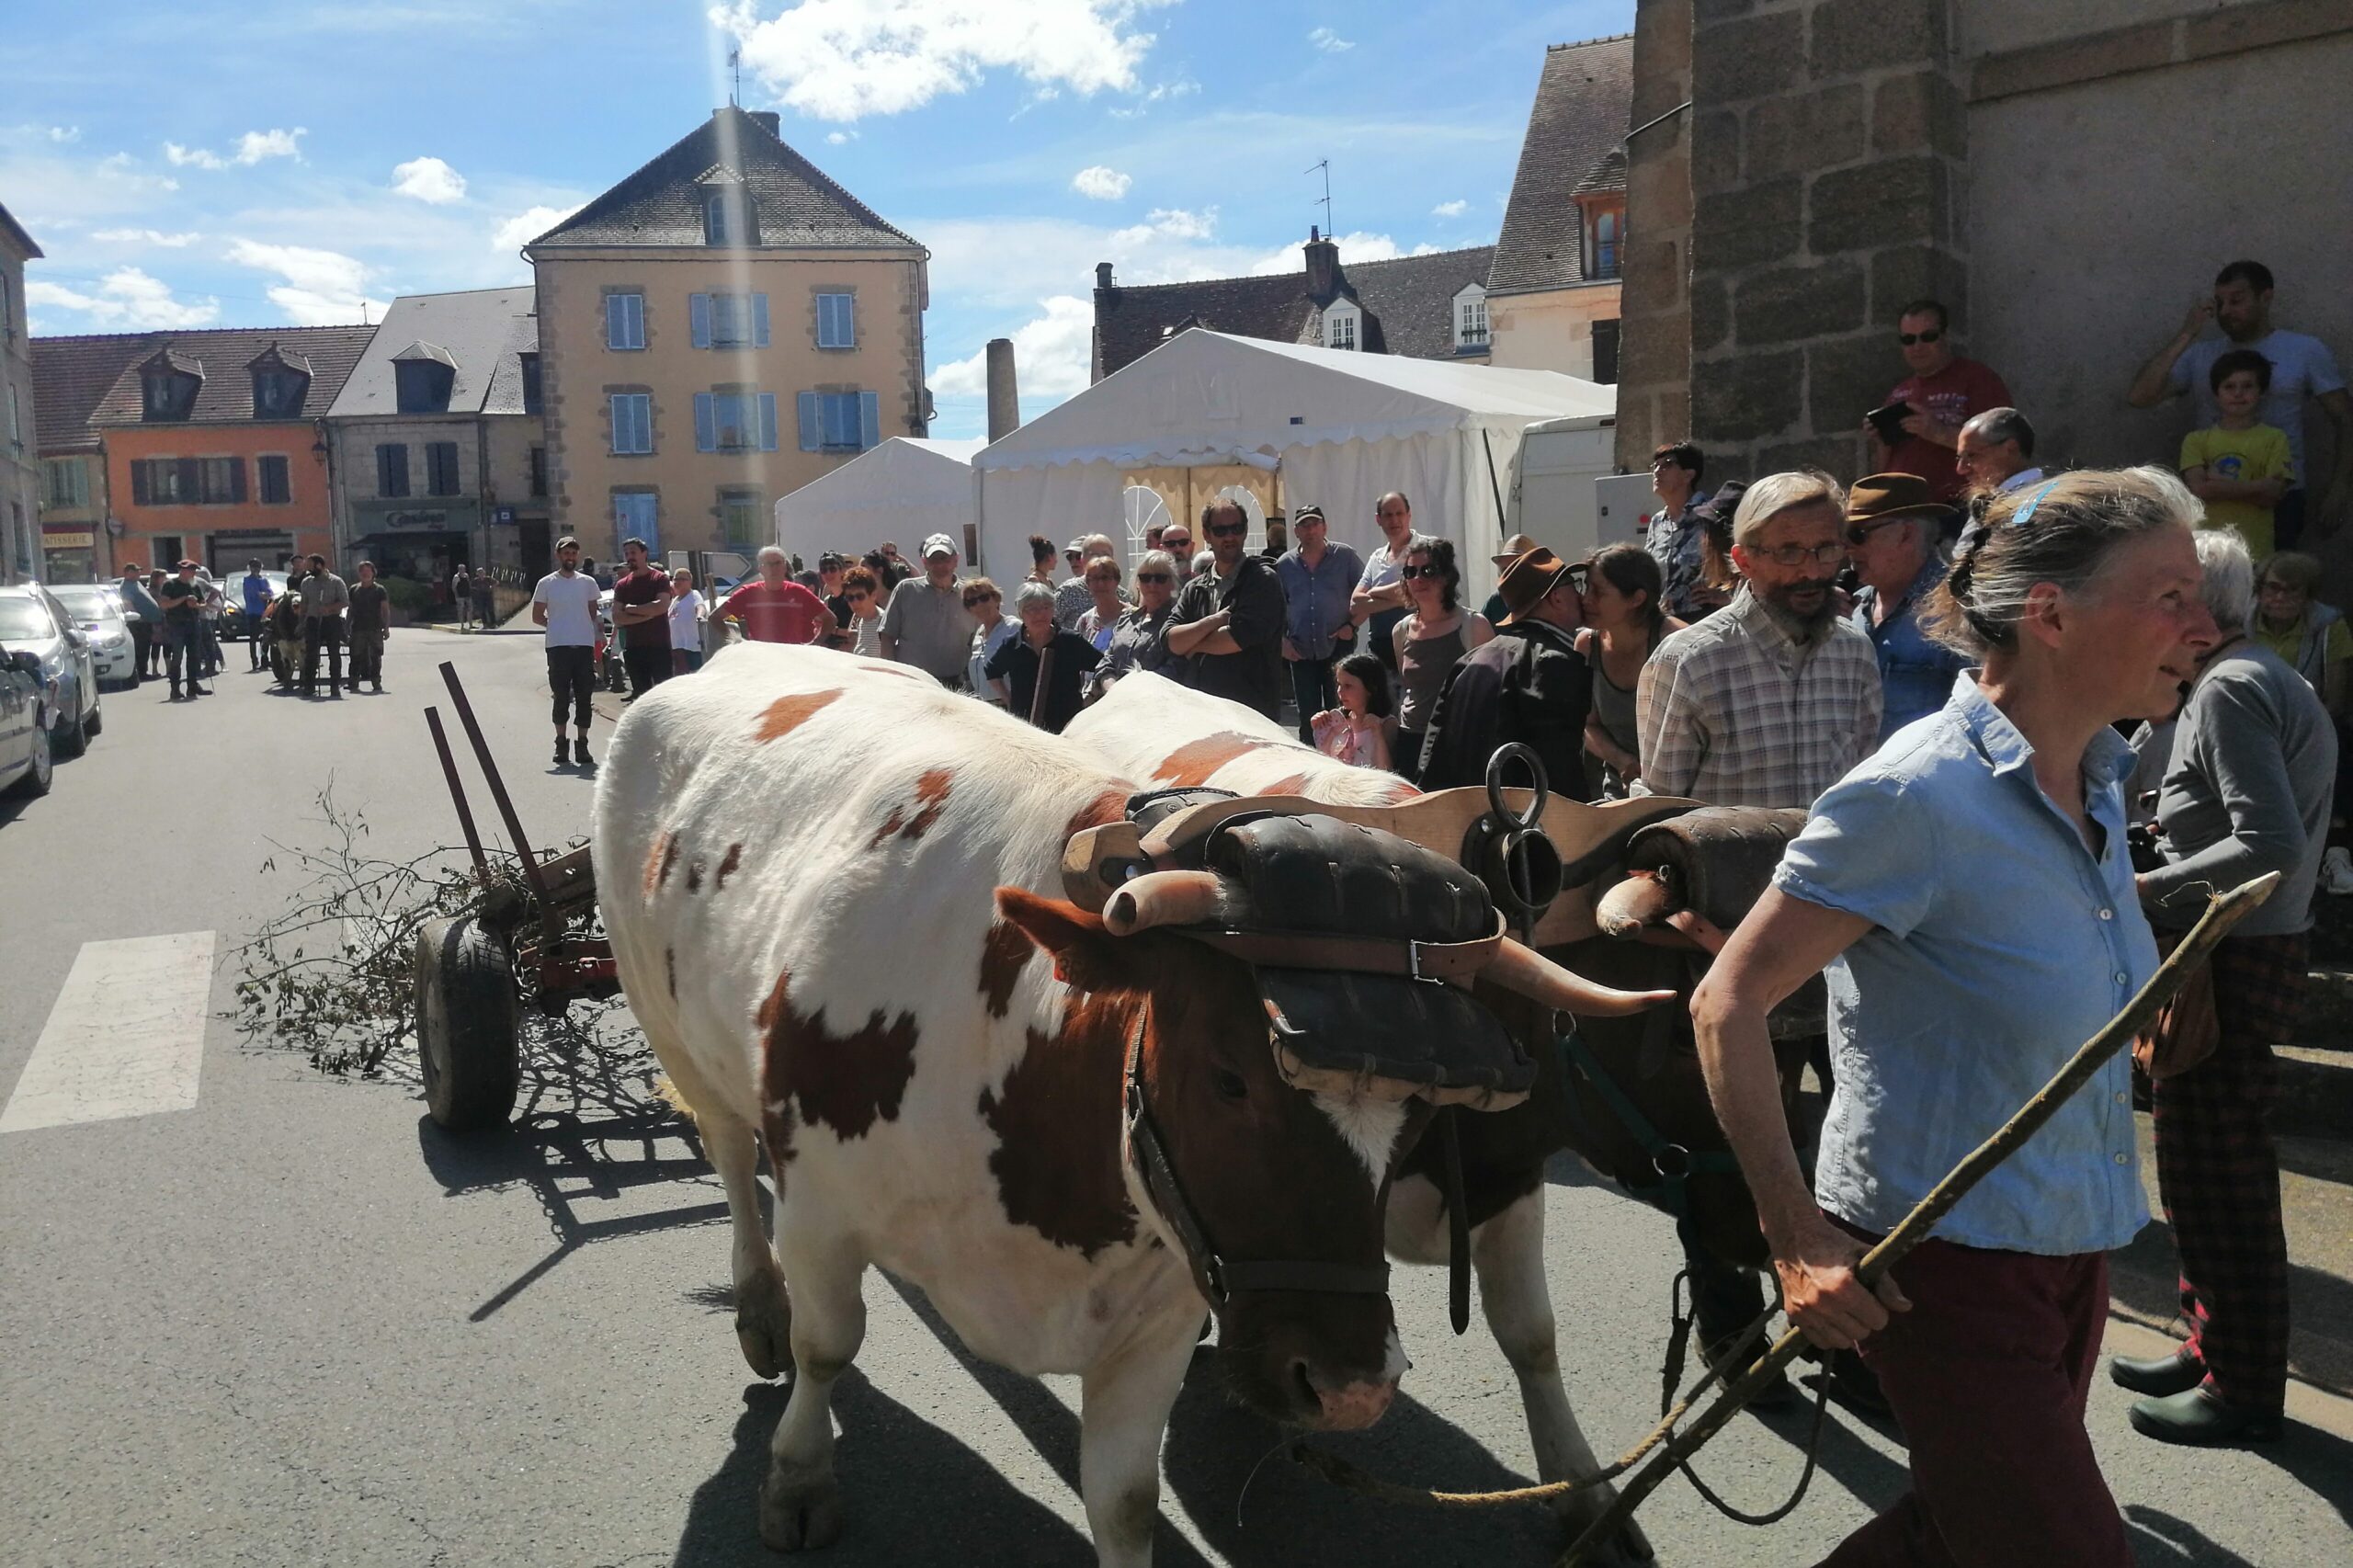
1273,1192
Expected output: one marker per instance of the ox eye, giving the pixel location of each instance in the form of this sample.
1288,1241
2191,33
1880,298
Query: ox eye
1230,1084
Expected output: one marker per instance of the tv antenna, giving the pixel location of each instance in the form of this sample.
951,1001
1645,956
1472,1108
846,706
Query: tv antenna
1324,167
736,65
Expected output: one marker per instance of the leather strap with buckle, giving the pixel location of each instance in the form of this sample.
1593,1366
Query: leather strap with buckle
1453,963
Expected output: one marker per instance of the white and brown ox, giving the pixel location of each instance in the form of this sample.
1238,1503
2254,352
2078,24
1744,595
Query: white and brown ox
824,880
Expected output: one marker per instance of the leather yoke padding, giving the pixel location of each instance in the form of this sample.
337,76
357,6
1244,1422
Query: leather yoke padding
1152,807
1320,874
1720,859
1343,1029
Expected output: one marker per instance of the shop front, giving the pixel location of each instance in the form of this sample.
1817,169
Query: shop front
228,550
423,544
70,553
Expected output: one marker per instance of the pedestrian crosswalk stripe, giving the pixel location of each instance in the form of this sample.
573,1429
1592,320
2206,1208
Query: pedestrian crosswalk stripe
126,1037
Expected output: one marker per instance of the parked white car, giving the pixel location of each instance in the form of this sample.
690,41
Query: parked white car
25,755
31,621
96,608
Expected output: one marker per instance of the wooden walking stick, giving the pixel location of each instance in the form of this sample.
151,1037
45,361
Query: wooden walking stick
2223,912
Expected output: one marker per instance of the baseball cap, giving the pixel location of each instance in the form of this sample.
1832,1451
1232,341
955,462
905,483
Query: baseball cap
937,544
190,566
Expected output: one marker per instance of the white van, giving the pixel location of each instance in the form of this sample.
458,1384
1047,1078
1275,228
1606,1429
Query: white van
1566,492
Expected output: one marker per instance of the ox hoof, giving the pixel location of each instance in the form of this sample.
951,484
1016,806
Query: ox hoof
799,1511
764,1326
1628,1548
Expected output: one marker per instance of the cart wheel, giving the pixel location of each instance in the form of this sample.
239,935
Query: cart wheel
465,1025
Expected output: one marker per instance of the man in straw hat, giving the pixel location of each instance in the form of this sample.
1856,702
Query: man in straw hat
1528,684
1895,534
1495,609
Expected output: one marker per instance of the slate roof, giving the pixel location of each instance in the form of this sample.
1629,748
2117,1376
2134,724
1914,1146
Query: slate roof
1408,305
506,382
474,331
224,355
1584,106
72,377
793,202
17,237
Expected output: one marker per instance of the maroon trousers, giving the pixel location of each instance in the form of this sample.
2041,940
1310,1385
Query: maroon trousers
2218,1173
1989,1372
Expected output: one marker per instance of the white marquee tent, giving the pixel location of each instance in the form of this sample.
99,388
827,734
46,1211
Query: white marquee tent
1206,413
903,490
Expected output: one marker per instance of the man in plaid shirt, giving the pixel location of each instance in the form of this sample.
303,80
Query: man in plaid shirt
1772,699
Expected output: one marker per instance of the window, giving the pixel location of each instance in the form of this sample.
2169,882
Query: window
1608,233
69,482
728,320
840,422
276,484
539,470
7,311
625,321
734,422
1471,318
836,321
1605,351
170,396
278,394
633,422
741,513
156,482
15,424
636,515
1340,327
423,386
220,482
726,218
530,363
442,469
391,469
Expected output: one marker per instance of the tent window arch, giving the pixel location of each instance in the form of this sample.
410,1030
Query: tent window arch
1144,510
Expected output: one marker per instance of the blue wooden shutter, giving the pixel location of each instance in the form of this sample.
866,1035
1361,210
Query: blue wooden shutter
869,419
845,320
767,417
805,407
761,321
706,423
615,336
829,335
698,319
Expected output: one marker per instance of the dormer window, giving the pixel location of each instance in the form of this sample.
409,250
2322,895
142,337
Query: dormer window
1608,236
1343,324
278,394
726,217
530,365
1471,319
424,375
169,396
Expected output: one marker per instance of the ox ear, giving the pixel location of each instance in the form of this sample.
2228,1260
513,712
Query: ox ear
1085,955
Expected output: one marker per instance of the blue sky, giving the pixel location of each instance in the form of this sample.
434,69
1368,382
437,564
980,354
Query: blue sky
201,163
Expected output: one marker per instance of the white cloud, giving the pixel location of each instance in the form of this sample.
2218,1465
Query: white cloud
1052,355
125,298
146,237
1329,42
322,287
840,138
429,180
844,59
1167,223
65,133
525,227
252,148
1100,183
1450,210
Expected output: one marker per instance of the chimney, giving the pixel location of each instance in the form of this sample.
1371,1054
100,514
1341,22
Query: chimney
1322,266
1004,398
768,119
1103,284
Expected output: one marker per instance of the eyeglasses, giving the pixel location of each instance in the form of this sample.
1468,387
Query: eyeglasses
1934,335
1801,554
1228,531
1858,534
1155,577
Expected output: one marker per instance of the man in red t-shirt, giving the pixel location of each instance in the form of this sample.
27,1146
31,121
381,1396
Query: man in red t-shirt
1943,390
777,609
641,612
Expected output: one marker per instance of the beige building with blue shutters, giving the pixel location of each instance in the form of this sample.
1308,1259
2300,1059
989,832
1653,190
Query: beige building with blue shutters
719,329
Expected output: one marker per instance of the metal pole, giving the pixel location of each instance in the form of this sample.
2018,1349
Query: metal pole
497,786
458,796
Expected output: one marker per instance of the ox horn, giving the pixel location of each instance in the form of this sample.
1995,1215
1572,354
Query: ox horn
1162,898
1532,975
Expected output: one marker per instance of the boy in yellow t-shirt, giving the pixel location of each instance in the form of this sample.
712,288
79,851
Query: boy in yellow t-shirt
2239,466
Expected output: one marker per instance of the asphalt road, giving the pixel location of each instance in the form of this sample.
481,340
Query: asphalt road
295,1325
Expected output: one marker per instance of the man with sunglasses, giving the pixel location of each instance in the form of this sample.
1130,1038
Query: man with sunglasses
1940,394
1318,577
1893,530
1227,626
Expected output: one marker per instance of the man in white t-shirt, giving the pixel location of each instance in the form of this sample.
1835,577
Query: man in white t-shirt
565,603
1379,603
2301,367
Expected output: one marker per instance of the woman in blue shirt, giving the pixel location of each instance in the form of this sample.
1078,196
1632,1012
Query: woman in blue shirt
1969,891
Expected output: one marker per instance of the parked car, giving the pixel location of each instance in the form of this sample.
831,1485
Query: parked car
233,608
98,610
31,621
25,759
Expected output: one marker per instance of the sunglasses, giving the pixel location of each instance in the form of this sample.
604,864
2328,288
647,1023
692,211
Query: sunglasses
1155,577
980,599
857,598
1427,573
1175,542
1934,335
1859,533
1228,531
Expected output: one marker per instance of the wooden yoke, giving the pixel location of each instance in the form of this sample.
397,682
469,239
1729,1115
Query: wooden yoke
1098,859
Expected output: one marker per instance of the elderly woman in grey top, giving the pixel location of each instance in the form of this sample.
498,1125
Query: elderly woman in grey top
1140,638
2247,791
